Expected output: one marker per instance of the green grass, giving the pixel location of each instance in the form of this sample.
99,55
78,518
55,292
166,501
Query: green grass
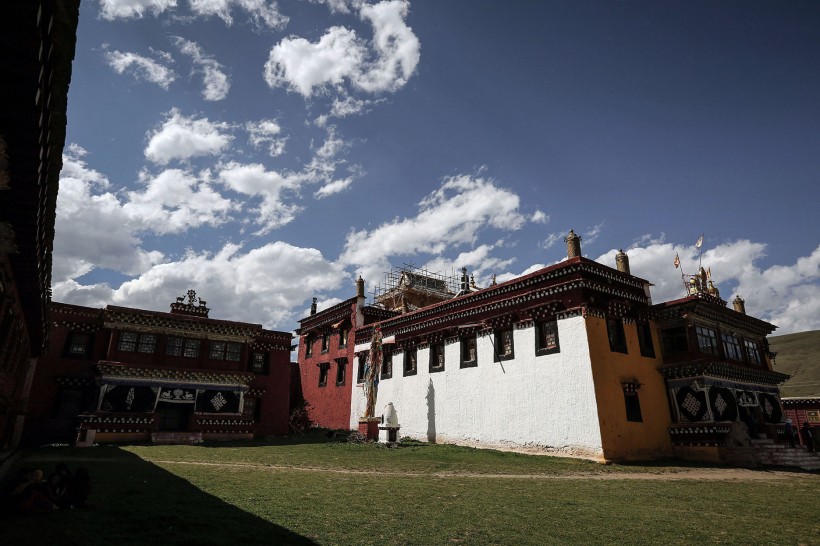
300,493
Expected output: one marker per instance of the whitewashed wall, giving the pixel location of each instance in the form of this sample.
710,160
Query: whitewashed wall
530,401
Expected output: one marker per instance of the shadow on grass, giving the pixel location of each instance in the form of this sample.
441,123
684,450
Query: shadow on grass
135,502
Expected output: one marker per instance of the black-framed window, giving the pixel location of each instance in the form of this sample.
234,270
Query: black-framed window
632,403
410,362
753,351
174,346
674,340
437,357
190,348
259,363
546,337
469,351
130,342
504,344
361,368
250,407
731,347
226,350
387,364
325,342
308,346
78,345
147,343
616,335
343,333
645,340
127,342
341,368
707,340
324,368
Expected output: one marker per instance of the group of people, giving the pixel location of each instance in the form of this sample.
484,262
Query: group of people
805,432
29,493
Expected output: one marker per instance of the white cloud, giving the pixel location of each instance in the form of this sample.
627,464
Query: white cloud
254,180
141,68
174,201
184,138
262,13
340,56
304,67
539,217
785,295
333,187
592,233
126,9
552,239
339,6
451,216
262,285
215,80
478,261
266,133
275,187
92,228
398,48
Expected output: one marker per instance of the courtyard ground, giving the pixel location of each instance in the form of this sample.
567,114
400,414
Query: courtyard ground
313,491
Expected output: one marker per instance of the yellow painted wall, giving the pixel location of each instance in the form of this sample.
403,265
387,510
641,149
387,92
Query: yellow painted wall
622,439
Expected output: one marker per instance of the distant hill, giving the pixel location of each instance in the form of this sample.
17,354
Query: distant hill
799,356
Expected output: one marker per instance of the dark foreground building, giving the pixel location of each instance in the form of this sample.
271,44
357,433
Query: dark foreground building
37,41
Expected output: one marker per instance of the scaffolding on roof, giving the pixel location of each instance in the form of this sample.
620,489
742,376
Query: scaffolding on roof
409,287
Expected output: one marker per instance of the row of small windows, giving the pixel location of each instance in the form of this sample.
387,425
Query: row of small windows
325,341
78,346
710,341
546,342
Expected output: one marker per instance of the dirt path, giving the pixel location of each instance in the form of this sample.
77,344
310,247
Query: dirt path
730,474
676,473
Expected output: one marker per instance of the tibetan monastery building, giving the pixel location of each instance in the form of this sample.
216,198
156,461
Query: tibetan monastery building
572,358
129,375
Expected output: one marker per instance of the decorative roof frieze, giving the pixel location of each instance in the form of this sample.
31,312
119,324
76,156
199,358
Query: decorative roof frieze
723,370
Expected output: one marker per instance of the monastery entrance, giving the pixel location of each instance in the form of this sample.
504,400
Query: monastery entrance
173,417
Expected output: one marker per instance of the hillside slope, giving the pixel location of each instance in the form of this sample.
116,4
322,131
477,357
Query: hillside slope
799,356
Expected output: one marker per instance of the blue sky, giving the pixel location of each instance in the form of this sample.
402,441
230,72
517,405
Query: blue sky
263,153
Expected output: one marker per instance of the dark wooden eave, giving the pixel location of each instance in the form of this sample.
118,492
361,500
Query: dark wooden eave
33,101
725,370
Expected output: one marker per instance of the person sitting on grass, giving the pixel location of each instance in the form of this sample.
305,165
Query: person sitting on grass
30,496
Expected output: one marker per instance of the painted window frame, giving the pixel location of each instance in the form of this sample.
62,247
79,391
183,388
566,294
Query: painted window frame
438,359
753,352
78,345
258,363
708,340
464,346
616,334
731,347
324,371
645,342
341,371
499,336
225,350
542,347
410,362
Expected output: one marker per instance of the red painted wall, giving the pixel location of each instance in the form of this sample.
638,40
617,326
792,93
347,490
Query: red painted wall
327,406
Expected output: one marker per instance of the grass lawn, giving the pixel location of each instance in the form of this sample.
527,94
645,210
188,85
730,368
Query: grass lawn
317,492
